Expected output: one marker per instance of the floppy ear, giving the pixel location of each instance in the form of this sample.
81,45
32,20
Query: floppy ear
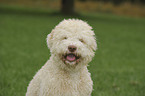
94,44
49,39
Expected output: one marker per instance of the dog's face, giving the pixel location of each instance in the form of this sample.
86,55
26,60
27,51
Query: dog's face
73,42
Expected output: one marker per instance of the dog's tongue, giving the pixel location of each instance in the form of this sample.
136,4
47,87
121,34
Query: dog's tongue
70,57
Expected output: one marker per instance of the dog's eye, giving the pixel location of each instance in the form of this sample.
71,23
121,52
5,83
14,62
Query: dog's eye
64,38
82,40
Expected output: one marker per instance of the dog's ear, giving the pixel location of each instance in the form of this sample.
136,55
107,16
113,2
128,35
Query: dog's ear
94,47
49,39
94,44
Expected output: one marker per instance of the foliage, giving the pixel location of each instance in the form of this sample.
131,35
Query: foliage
122,9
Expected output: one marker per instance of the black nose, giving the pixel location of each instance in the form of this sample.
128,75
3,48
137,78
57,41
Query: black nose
72,48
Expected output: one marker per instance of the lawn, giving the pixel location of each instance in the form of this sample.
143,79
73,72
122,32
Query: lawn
118,69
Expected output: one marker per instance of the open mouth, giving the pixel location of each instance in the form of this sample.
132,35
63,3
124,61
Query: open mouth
71,57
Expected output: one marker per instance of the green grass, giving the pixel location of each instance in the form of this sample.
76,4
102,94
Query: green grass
118,69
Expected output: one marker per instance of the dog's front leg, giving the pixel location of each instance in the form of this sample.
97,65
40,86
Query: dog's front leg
33,88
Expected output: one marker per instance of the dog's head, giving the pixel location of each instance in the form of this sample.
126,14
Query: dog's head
72,41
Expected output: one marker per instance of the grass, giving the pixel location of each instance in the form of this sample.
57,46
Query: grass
118,69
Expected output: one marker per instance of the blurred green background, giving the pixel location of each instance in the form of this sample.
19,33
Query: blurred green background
118,69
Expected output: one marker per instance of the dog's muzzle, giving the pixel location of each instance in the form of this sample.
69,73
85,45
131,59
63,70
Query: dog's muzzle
71,58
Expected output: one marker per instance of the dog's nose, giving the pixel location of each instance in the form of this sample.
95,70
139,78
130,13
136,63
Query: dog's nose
72,48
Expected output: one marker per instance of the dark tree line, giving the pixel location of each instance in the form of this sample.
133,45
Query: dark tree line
122,1
68,5
119,1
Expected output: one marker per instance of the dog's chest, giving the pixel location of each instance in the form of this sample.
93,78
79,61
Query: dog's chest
66,85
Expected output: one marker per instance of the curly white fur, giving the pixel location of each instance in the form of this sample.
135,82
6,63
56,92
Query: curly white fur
59,77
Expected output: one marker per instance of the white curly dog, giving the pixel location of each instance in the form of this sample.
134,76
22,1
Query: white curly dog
72,44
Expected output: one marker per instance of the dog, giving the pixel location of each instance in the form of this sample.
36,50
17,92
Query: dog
72,44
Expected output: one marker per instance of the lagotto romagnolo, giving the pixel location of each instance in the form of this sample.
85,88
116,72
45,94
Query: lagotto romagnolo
72,44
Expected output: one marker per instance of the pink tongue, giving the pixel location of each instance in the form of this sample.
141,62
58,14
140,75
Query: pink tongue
71,57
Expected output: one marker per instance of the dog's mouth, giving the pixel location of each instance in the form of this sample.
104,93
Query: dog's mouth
71,58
